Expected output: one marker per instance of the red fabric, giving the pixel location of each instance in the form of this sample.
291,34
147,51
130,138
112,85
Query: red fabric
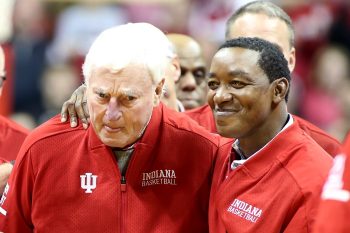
204,116
12,136
276,190
334,211
45,190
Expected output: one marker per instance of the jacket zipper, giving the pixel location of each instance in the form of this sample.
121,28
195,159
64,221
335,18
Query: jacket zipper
123,204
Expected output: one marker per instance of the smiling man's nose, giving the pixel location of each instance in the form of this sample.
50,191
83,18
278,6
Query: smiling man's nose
221,95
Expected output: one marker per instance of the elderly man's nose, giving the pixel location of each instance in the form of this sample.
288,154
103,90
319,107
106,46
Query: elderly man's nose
113,110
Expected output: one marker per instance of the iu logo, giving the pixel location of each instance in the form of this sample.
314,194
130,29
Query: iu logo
88,182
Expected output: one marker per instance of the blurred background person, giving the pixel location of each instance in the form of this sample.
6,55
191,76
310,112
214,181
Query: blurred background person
77,27
57,85
31,35
328,90
11,135
191,87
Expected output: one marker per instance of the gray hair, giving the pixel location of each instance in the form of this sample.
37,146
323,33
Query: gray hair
267,8
132,43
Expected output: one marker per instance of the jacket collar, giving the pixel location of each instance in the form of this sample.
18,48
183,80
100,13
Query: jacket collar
277,150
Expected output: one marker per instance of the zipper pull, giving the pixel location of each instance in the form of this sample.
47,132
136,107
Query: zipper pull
123,184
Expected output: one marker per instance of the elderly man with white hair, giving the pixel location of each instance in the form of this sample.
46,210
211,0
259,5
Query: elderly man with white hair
141,167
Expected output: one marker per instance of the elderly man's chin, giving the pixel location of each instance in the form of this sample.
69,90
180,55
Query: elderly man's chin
113,142
115,139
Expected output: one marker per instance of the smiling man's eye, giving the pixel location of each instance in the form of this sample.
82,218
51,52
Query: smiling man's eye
237,84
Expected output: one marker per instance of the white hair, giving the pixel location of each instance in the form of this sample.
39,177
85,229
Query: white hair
132,43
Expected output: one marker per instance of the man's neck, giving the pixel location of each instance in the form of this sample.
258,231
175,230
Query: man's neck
254,142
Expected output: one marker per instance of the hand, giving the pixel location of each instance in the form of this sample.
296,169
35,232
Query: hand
76,105
5,171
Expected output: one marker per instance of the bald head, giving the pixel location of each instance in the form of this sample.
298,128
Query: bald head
185,46
191,88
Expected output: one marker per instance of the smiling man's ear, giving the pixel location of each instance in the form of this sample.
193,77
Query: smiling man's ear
280,89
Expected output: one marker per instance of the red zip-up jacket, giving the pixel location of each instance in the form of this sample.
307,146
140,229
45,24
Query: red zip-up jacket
276,190
204,116
67,180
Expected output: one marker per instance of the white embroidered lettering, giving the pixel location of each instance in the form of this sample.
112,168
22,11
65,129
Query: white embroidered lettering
159,177
245,210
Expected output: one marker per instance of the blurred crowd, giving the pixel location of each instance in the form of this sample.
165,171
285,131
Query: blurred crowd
45,43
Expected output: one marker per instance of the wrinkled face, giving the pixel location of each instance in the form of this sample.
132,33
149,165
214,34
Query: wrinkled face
121,104
191,88
240,93
273,30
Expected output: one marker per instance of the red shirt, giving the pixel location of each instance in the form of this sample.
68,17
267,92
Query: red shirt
334,212
204,116
277,190
66,180
12,136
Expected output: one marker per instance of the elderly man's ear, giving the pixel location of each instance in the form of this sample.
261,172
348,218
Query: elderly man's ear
158,92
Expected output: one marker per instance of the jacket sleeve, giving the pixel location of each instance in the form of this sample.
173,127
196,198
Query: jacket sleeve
15,204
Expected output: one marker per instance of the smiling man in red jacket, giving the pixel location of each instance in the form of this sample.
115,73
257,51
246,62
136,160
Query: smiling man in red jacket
140,168
271,180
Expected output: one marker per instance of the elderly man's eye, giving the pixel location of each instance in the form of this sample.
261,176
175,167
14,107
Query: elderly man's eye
130,98
102,95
